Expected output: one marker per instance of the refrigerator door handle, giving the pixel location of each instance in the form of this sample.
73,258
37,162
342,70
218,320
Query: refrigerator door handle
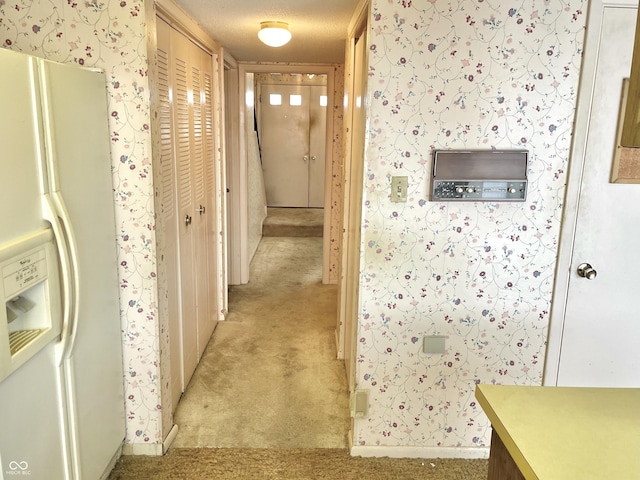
56,213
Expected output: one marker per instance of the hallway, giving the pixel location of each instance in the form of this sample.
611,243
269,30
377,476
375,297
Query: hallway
269,377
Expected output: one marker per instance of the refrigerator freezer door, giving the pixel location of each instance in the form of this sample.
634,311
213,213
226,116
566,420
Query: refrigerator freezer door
32,443
76,119
20,211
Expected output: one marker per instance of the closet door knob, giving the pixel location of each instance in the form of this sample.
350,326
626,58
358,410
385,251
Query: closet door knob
201,210
187,220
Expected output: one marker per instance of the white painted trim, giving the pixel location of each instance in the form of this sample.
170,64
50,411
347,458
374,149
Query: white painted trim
347,280
420,452
241,184
148,449
232,151
222,271
175,16
171,436
360,18
240,176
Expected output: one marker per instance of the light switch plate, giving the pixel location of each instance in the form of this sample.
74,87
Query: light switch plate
399,186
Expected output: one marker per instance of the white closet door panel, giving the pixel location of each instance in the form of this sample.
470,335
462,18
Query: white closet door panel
183,122
199,193
212,239
317,144
168,210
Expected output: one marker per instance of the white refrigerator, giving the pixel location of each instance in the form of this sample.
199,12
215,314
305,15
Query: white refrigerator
61,377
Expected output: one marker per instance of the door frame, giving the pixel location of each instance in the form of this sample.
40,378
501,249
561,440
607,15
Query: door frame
574,182
349,277
241,259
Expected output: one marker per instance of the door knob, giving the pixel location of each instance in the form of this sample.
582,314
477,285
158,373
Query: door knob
305,158
201,210
187,220
313,158
587,271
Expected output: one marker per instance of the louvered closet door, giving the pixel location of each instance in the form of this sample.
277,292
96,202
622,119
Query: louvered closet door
183,126
213,227
168,210
199,160
186,83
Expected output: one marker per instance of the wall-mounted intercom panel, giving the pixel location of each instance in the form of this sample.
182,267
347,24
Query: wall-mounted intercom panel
479,175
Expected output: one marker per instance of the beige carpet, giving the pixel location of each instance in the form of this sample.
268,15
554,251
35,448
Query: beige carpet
291,464
269,377
293,222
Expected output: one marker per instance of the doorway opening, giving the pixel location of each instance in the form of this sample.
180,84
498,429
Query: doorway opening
247,218
270,377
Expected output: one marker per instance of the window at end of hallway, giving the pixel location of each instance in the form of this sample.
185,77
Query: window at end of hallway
275,99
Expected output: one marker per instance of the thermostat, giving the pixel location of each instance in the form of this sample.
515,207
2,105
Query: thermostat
480,175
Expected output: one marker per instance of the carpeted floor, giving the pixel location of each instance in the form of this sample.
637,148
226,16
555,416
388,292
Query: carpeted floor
269,398
293,222
291,464
269,377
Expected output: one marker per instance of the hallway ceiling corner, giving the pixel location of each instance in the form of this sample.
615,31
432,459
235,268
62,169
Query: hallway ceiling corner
319,27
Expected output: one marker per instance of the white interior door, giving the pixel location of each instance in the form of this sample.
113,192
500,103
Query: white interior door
599,340
292,141
317,144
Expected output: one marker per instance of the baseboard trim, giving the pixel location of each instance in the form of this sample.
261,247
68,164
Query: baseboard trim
151,449
420,452
171,436
148,449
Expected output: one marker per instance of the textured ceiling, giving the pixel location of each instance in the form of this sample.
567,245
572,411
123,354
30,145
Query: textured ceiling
318,27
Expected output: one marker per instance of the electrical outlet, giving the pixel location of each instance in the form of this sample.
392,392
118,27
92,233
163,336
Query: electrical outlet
399,186
434,344
360,407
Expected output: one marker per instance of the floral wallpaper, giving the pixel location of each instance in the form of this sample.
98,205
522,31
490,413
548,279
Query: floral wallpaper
111,36
451,74
337,174
443,74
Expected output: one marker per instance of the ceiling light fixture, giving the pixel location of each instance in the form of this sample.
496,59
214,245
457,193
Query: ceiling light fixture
274,34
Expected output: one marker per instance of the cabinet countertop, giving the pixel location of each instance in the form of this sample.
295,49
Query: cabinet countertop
567,433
